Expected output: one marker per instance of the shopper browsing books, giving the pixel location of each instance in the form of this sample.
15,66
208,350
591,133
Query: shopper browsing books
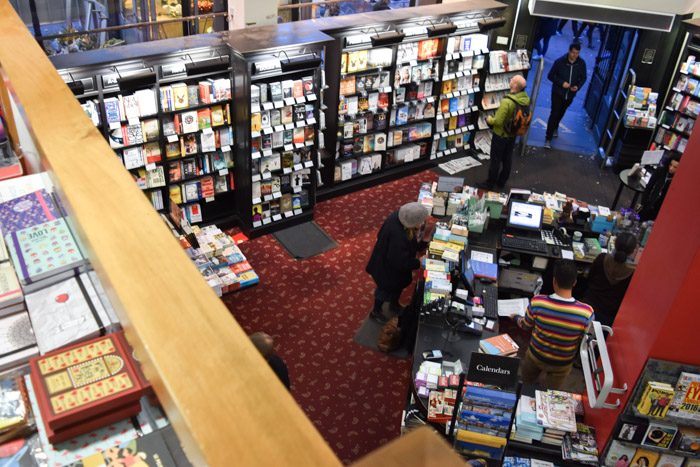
265,345
558,322
657,187
504,132
393,258
609,277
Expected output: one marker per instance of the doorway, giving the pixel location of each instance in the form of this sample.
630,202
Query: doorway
586,118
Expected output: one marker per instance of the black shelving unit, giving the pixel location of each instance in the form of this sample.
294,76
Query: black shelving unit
103,77
263,61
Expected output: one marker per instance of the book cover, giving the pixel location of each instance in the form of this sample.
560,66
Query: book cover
656,399
10,291
180,96
16,337
150,129
62,314
686,401
175,194
644,457
668,460
155,178
76,383
151,153
204,118
189,121
43,250
499,345
660,436
26,211
688,440
147,102
112,110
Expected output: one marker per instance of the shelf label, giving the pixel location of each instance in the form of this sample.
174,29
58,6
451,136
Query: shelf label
255,134
207,130
289,100
173,139
257,224
288,126
209,200
255,155
255,108
311,97
288,147
297,212
298,166
309,143
225,148
257,201
308,164
133,121
223,171
256,178
151,166
387,89
454,114
311,121
267,152
267,197
299,100
279,128
268,105
267,220
266,130
288,214
299,123
298,145
451,132
115,125
297,189
276,195
266,175
287,170
277,217
278,104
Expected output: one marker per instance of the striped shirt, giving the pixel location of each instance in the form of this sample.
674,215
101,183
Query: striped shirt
559,325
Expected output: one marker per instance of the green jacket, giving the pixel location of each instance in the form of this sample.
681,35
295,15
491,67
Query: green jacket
505,113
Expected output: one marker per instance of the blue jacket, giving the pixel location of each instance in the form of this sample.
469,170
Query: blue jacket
573,73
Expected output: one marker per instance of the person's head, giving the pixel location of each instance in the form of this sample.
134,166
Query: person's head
642,461
625,244
564,276
517,84
623,457
263,342
673,164
574,51
412,215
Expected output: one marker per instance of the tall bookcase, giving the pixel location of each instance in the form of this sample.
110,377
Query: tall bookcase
177,145
277,92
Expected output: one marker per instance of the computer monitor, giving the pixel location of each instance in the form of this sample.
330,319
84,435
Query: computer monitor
525,216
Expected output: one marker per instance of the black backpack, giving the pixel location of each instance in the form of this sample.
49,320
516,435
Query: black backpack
519,122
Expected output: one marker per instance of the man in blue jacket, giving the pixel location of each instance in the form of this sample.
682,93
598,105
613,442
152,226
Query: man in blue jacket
568,75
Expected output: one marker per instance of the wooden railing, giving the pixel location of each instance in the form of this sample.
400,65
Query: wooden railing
225,403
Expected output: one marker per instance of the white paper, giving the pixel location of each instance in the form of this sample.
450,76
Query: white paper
297,212
257,224
277,217
172,138
226,148
223,172
567,254
209,200
652,157
481,256
515,306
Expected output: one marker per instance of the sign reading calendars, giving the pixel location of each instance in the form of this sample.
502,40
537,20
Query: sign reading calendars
493,370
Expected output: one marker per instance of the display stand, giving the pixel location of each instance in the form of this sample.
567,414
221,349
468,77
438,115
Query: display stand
277,93
180,151
670,431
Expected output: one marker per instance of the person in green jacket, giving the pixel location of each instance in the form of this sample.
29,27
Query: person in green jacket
502,142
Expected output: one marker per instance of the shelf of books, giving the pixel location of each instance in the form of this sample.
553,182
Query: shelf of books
681,109
661,421
461,85
279,119
503,65
169,120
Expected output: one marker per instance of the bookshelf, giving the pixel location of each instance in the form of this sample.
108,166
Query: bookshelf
176,151
277,98
634,429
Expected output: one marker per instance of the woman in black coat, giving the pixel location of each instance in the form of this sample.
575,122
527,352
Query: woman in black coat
393,258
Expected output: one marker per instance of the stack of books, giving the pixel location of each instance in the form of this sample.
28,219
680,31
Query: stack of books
525,462
556,413
483,422
437,279
580,446
502,345
16,418
86,386
526,429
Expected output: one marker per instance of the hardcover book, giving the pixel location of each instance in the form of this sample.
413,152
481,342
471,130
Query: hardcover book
499,345
43,250
62,314
189,122
26,211
84,381
10,291
133,158
180,96
17,341
686,401
656,399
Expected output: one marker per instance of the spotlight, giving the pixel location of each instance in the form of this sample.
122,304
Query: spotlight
387,38
441,29
490,23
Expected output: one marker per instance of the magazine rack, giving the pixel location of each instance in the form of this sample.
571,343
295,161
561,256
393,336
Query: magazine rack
598,390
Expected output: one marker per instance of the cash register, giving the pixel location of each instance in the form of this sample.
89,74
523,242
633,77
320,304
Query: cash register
522,231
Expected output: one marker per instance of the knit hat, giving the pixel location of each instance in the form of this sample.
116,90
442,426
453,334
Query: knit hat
413,214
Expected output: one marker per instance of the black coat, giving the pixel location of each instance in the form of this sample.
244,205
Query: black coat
572,73
654,193
394,256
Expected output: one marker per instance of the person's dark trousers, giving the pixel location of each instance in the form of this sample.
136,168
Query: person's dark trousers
559,106
381,296
574,26
501,159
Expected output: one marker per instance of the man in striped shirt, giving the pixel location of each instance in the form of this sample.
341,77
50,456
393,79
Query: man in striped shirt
558,323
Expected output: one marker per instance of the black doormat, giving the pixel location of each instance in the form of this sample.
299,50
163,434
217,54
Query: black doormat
368,335
305,240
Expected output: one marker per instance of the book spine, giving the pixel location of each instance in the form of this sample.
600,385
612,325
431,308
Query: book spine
17,252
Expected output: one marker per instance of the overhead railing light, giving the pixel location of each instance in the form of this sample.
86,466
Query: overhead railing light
300,62
441,29
206,66
491,23
387,38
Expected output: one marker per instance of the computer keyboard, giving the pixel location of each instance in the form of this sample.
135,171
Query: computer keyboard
489,295
535,245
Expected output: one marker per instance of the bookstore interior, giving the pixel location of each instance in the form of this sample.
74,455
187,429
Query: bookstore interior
115,351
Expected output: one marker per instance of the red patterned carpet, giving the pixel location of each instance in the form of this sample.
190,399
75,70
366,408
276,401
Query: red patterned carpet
313,308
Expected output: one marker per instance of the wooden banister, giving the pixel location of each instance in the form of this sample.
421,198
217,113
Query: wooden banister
225,403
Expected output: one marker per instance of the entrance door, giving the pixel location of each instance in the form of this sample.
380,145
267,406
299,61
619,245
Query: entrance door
611,63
